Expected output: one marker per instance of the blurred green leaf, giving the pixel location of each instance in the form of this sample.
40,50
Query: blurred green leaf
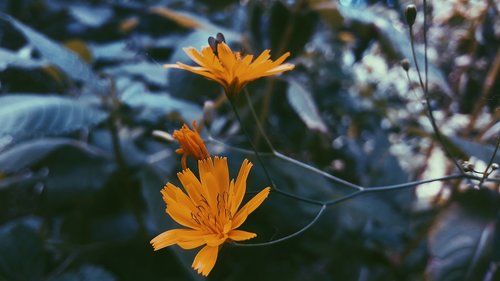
304,105
152,73
22,256
29,115
153,106
30,152
460,241
56,54
86,273
113,51
91,15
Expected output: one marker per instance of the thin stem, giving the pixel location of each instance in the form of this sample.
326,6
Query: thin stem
486,173
428,104
302,230
211,139
414,183
363,190
123,169
296,162
297,197
318,171
426,65
257,154
344,198
259,126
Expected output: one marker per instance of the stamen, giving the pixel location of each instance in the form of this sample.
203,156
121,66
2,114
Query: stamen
193,216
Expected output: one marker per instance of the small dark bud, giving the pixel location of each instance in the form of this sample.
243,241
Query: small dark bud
212,42
410,14
405,64
494,166
467,166
220,37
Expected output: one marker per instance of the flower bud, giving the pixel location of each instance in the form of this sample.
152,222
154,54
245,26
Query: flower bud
405,64
410,14
494,166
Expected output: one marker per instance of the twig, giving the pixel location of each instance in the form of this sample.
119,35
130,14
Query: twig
426,94
302,230
486,173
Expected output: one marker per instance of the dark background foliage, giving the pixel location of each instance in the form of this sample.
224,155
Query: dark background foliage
82,90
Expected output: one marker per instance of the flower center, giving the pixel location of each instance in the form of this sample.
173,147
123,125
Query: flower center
215,222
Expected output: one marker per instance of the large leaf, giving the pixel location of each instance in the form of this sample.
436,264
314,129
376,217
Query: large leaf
65,59
153,106
21,254
114,51
304,105
28,115
153,73
30,152
461,240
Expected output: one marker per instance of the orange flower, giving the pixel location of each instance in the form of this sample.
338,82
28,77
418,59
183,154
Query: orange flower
209,210
230,69
191,144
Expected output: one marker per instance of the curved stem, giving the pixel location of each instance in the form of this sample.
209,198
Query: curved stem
297,233
318,171
413,183
486,173
257,154
297,197
259,126
428,104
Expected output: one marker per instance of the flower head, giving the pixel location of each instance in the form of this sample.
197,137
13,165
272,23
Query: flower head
191,144
230,69
208,210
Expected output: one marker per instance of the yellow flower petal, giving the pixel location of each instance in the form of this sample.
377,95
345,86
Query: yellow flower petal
173,236
221,174
205,260
208,210
191,184
249,207
240,235
191,143
238,191
230,69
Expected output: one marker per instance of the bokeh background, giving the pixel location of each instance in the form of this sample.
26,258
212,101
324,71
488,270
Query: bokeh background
83,88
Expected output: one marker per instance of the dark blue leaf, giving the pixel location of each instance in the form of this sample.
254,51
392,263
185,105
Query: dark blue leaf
304,105
459,241
30,152
65,59
28,115
86,273
21,254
